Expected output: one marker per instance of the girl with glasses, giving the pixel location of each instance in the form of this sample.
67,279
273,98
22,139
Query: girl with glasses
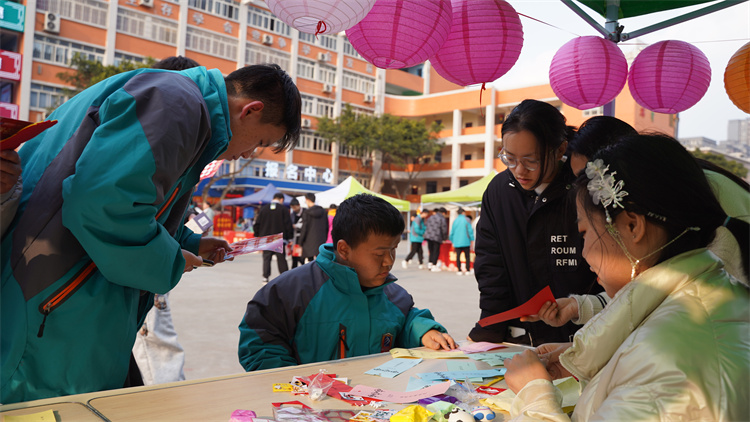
527,237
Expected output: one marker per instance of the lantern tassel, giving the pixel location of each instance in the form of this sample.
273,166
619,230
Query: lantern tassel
321,28
481,109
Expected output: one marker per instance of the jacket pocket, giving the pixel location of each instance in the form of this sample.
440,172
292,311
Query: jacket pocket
63,293
343,348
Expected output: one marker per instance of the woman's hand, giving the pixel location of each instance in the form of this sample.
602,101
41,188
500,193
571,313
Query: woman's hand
549,354
436,340
191,261
556,313
523,368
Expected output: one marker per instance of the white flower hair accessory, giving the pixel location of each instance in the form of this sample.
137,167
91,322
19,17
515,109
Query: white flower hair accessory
603,187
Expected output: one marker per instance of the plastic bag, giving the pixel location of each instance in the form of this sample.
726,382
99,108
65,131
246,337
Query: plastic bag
319,386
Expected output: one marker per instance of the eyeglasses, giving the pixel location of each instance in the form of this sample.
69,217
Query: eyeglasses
511,162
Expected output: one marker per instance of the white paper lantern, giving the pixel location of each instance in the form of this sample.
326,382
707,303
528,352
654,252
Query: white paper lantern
320,16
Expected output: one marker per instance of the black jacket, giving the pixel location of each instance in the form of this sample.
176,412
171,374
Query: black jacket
314,231
271,219
523,244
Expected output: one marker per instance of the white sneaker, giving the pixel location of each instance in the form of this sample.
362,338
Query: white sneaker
421,266
265,280
436,269
404,264
429,265
459,273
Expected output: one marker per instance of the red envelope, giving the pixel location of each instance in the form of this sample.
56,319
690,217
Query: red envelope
531,307
15,132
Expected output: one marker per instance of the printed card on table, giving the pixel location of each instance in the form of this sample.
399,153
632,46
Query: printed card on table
398,396
394,367
426,354
461,375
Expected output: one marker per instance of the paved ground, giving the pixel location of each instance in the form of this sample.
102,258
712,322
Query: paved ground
208,304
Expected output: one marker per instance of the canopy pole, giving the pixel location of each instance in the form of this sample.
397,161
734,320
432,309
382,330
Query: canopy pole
683,18
613,30
583,15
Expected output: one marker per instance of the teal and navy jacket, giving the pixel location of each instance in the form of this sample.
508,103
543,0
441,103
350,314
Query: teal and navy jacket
320,312
416,234
99,222
462,234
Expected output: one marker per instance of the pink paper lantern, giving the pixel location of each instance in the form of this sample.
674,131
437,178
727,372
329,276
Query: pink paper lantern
588,72
401,33
669,77
485,42
320,16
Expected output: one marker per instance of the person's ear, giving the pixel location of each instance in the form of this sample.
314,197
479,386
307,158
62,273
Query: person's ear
635,226
343,249
251,107
561,150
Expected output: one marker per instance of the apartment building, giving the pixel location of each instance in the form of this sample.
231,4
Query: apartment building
39,37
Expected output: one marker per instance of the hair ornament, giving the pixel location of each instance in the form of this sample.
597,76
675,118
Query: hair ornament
603,187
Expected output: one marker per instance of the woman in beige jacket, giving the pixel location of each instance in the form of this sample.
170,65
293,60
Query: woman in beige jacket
674,342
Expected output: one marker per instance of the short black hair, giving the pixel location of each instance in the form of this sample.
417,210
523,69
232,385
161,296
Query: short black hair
460,210
294,201
310,196
282,104
175,63
278,195
363,214
598,132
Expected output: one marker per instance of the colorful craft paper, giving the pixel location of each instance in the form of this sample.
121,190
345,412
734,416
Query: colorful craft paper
481,346
400,397
463,365
531,307
426,354
461,375
15,132
273,242
493,359
416,383
394,367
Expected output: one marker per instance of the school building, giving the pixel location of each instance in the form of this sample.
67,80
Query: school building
39,37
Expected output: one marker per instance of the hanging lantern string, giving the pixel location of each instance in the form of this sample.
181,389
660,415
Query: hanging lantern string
321,28
481,109
543,22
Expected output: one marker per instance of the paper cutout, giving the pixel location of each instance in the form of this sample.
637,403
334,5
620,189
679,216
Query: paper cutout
478,347
394,367
493,359
15,132
531,307
274,242
426,354
461,375
568,386
463,365
46,416
400,397
343,392
416,383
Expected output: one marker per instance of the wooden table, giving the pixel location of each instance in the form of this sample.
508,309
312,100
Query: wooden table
214,399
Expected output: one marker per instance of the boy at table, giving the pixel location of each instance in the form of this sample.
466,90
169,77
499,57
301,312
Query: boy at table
343,304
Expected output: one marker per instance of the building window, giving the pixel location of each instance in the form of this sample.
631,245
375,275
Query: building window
349,49
326,41
431,186
257,54
359,83
325,108
596,111
60,51
45,97
144,25
311,141
91,12
224,8
305,68
268,22
124,57
211,43
326,74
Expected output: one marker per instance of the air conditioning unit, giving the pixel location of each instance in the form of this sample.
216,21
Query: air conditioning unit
52,22
368,98
327,88
306,123
324,57
146,3
268,39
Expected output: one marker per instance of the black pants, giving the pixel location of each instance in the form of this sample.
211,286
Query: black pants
467,257
434,247
281,260
416,248
297,260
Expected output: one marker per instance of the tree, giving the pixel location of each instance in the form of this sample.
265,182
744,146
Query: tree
400,143
721,161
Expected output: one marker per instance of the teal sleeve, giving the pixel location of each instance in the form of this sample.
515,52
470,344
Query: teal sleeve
420,229
255,354
109,204
418,322
190,240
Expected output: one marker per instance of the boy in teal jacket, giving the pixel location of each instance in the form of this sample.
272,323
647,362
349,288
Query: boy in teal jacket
343,304
100,219
461,236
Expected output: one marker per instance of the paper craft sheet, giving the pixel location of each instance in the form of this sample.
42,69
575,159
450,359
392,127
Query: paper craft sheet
531,307
394,367
426,354
400,397
15,132
481,346
274,242
461,375
463,365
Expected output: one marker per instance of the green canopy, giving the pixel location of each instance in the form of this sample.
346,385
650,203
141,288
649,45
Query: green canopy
351,187
632,8
470,193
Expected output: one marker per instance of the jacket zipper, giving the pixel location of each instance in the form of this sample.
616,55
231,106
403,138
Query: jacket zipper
67,289
343,348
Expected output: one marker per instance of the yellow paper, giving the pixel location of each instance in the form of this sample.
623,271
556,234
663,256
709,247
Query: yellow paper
413,413
283,388
569,387
426,354
46,416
